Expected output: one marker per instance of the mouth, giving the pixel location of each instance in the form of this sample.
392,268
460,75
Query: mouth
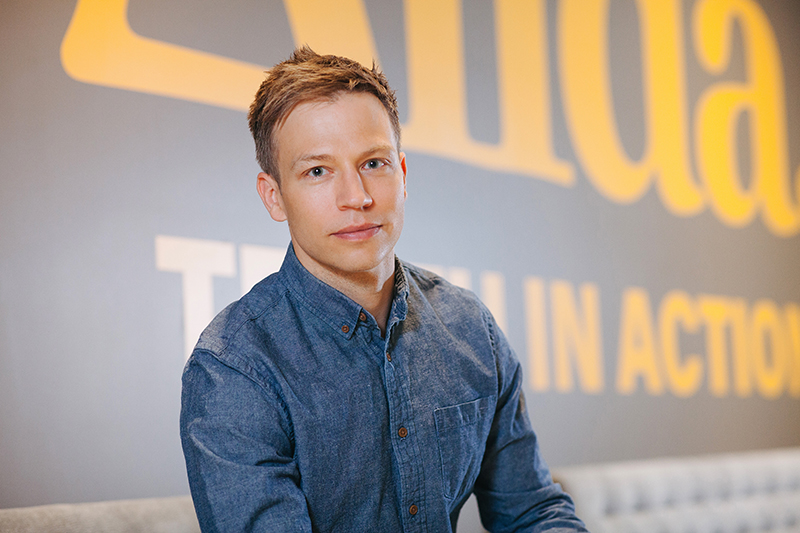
358,232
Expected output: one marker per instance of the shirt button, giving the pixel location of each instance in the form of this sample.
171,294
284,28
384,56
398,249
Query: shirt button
388,357
403,432
362,317
413,509
345,328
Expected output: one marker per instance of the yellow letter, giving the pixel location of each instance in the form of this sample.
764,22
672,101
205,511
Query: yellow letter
722,315
683,378
720,107
340,28
536,330
588,105
770,377
571,334
715,315
742,355
438,122
526,133
101,48
793,323
637,347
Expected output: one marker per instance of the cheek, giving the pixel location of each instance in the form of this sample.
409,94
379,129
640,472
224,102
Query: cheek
398,203
401,200
396,195
305,209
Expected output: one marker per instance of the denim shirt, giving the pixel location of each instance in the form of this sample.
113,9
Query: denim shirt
297,415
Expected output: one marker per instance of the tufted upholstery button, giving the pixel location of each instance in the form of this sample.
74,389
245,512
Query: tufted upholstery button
727,493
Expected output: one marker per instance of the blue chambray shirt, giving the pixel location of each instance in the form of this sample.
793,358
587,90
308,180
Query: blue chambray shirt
298,416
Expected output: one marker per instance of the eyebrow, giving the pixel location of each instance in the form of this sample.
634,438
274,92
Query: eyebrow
310,158
378,148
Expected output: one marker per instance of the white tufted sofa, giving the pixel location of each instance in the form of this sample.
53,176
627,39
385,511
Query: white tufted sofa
731,493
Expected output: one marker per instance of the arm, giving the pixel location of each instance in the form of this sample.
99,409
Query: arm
515,491
237,440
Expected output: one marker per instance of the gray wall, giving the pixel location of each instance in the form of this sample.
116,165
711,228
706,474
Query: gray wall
128,215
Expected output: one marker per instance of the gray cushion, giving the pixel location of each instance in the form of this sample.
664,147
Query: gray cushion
154,515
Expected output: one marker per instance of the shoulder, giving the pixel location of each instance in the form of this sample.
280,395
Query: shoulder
450,302
434,285
230,361
458,309
239,322
232,346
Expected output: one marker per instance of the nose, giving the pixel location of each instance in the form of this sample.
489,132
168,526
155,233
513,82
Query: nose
352,193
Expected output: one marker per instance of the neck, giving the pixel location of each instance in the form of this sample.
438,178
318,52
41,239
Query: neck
373,290
375,296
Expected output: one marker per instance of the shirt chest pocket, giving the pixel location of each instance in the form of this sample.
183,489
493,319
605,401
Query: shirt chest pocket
461,432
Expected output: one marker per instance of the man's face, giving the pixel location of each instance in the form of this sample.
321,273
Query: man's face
342,185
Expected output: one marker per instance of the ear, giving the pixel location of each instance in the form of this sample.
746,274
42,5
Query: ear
405,170
270,194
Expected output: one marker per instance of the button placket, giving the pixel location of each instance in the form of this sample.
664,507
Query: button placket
406,448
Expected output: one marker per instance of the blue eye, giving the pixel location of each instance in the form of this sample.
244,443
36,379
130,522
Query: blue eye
316,172
372,164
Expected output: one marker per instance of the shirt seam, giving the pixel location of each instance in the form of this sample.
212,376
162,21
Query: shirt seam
489,324
265,385
240,365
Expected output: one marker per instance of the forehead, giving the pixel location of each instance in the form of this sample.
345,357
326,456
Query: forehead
354,98
342,121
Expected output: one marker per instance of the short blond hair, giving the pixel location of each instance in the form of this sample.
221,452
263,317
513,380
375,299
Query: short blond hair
304,77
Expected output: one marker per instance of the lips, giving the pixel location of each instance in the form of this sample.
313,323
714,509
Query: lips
358,232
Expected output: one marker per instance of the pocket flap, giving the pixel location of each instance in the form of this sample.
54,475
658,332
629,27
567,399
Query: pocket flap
462,414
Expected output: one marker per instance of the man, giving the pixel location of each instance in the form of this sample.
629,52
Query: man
351,391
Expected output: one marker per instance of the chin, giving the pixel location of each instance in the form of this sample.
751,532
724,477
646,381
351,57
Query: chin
362,262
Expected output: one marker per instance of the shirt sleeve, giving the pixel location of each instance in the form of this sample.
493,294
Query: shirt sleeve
237,441
515,491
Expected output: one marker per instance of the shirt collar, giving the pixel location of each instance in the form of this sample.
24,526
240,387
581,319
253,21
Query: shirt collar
331,306
399,308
